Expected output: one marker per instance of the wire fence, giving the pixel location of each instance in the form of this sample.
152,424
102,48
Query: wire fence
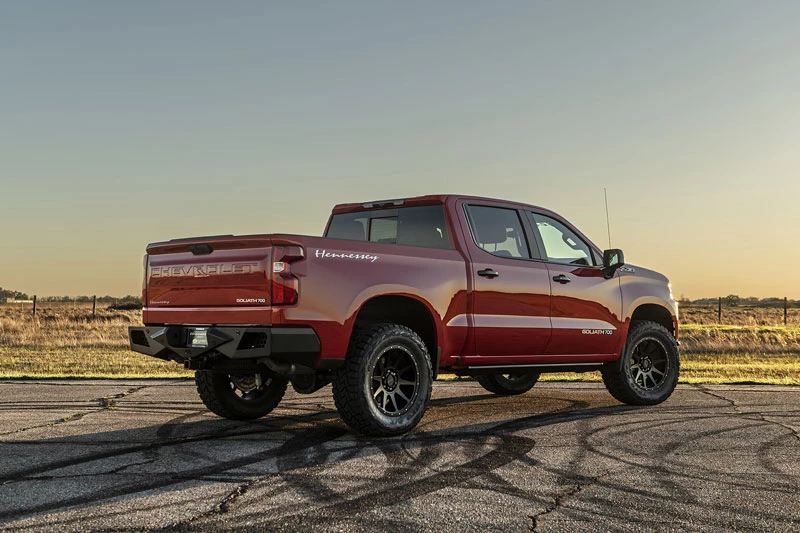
773,312
723,310
94,303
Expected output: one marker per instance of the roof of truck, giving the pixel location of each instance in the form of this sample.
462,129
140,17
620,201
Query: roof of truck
428,199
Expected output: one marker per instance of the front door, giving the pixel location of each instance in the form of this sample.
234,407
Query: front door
585,307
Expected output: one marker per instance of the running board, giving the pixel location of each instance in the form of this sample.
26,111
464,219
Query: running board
541,367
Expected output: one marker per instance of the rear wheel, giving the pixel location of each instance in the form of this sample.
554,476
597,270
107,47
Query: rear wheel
239,397
508,384
647,371
385,383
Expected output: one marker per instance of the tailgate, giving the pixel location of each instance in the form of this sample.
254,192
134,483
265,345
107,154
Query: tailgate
208,273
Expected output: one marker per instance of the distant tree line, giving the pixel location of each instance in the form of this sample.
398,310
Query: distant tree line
129,299
733,300
16,295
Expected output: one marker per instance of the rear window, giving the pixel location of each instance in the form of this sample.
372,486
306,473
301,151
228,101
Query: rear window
412,226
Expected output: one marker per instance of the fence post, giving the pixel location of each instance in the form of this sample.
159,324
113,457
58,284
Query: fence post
785,310
719,310
94,305
34,304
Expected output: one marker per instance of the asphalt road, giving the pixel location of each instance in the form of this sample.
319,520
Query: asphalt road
565,457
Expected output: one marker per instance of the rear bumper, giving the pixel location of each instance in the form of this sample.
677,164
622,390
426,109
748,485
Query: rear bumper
298,346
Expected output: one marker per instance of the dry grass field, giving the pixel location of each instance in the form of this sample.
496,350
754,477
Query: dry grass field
67,341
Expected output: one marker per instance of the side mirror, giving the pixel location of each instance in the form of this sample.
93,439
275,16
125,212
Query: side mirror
612,260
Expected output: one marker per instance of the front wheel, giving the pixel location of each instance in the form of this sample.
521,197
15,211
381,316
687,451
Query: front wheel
385,383
647,371
508,384
239,397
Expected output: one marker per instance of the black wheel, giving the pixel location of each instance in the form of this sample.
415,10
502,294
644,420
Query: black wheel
385,383
239,397
647,371
508,384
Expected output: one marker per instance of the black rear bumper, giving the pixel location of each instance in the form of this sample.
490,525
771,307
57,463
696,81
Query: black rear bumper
298,346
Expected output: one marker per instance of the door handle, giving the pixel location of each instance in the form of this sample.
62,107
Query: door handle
488,273
561,278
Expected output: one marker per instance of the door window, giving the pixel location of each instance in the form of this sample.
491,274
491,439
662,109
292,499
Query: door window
561,244
498,231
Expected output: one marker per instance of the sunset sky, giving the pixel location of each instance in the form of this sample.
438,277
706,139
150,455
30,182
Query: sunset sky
123,123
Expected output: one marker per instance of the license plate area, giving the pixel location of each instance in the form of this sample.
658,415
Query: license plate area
197,338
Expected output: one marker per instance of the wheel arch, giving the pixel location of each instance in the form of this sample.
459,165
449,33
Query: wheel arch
407,311
656,313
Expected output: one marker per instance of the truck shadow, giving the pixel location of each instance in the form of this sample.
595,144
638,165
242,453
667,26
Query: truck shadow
301,437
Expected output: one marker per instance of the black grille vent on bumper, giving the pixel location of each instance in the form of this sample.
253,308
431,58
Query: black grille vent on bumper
252,340
138,337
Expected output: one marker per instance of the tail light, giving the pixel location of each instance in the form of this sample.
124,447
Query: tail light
144,282
285,285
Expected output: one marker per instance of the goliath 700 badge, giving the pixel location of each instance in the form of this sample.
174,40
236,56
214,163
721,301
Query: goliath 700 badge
597,332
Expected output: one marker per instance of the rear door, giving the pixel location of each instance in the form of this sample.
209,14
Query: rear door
585,307
510,302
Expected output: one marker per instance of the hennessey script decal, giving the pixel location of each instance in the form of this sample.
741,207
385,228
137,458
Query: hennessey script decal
325,254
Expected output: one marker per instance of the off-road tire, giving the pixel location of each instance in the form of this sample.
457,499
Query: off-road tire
218,393
508,384
651,348
383,359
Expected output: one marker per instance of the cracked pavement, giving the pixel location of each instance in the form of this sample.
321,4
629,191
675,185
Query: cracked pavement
147,455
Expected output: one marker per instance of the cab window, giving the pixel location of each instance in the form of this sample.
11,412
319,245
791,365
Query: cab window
498,230
413,226
561,244
383,230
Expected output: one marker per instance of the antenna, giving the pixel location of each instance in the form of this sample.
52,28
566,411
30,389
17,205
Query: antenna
608,224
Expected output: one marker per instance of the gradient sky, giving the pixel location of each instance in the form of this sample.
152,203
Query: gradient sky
123,123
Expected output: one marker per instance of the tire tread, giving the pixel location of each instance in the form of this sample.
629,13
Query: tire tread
613,373
211,393
346,385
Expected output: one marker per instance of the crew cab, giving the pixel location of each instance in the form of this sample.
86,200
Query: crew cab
393,294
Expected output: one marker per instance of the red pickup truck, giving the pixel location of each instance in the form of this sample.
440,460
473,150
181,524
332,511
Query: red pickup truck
396,292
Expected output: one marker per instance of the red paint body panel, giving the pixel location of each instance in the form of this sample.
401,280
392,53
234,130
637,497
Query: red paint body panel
588,302
215,280
333,289
510,313
520,317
